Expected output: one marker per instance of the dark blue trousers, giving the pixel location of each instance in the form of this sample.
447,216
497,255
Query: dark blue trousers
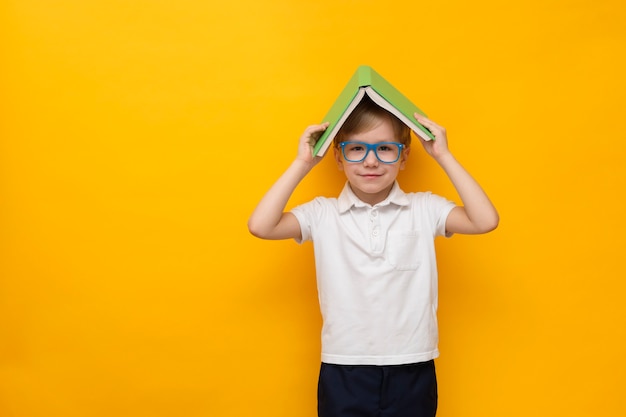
377,391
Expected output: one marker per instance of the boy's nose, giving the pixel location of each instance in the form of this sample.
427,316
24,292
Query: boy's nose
370,158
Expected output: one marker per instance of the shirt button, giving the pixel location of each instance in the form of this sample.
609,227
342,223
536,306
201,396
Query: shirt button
375,233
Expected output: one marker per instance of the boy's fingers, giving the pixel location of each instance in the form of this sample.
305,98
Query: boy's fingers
432,126
316,128
425,121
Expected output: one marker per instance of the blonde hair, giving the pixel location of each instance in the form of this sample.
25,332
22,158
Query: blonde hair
368,115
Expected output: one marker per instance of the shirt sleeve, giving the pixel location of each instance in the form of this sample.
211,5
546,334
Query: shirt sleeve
439,208
305,214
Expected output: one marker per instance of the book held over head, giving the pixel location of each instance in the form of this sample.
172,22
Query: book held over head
367,81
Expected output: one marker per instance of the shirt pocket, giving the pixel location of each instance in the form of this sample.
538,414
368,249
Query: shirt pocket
403,250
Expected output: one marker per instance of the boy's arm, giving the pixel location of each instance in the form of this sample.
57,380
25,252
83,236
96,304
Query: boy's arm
269,220
477,215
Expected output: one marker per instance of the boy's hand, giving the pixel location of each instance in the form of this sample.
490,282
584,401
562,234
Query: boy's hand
436,148
307,141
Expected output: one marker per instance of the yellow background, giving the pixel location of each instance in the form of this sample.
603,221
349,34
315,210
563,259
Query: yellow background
137,136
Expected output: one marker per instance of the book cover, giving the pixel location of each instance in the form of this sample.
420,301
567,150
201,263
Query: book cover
367,81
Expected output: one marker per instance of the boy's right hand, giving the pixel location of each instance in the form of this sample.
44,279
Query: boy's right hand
307,141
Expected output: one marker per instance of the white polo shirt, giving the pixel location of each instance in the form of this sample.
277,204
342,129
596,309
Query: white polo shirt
376,275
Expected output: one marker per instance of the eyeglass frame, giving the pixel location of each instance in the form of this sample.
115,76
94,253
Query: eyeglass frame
371,147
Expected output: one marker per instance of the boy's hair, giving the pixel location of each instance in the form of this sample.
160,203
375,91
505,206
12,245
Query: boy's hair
366,116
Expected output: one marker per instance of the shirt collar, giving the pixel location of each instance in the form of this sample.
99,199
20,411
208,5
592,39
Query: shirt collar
347,199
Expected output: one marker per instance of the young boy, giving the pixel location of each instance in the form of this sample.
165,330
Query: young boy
375,262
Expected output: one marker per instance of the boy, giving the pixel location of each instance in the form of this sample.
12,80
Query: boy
375,262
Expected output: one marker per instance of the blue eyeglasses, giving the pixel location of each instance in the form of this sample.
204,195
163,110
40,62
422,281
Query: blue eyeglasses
386,152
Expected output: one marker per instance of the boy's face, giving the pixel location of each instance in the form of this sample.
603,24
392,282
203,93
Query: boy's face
370,179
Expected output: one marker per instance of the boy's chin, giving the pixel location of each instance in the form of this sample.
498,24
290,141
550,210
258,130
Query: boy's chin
371,192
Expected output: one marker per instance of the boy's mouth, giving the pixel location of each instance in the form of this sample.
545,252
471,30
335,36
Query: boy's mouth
370,176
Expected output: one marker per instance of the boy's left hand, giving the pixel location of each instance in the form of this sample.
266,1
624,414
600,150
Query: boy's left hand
438,147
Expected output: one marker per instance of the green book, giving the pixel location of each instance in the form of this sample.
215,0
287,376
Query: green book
367,81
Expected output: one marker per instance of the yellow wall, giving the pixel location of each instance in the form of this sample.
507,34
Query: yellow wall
131,156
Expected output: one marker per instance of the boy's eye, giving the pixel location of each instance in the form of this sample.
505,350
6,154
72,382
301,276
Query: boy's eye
356,148
384,148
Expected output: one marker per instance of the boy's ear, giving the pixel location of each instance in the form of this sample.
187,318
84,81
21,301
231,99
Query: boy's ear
403,156
338,158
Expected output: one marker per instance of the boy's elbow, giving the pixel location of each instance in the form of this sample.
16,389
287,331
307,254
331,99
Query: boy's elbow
255,230
484,224
491,224
263,230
